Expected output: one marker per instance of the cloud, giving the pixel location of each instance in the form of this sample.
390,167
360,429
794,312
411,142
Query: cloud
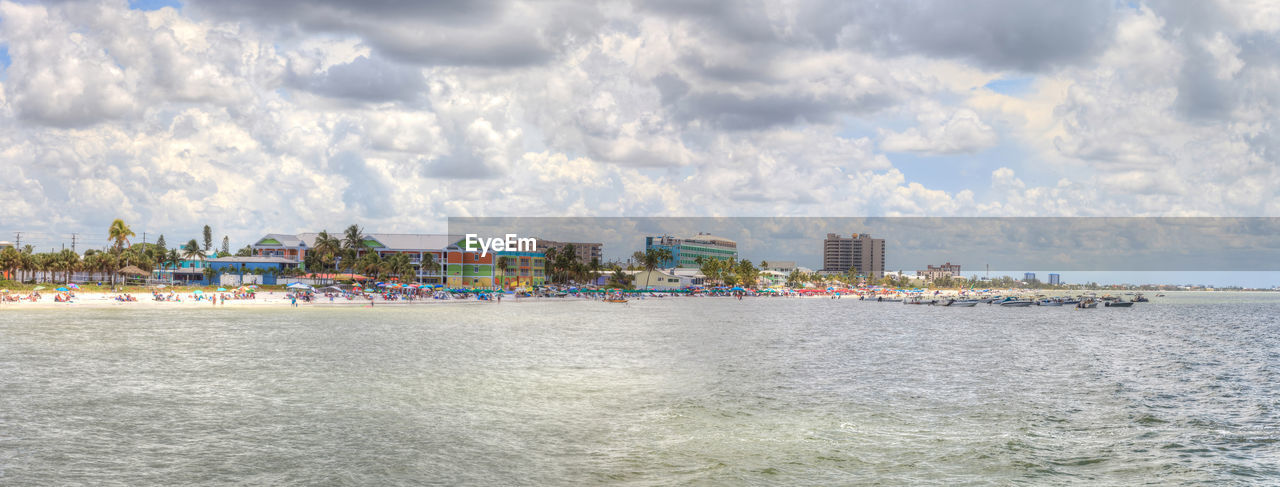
997,34
939,132
301,116
481,33
363,79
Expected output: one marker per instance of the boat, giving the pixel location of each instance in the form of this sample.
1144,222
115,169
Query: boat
966,303
1119,304
1140,298
1049,302
1087,304
1016,304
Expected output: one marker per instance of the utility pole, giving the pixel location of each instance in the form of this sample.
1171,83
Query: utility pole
18,243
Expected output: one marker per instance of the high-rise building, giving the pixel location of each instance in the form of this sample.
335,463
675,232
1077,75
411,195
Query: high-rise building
583,252
1030,276
859,251
1055,279
685,251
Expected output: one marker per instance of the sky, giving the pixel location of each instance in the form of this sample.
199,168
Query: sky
288,116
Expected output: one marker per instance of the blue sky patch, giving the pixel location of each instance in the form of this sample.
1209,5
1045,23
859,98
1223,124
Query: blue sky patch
1010,86
154,4
4,62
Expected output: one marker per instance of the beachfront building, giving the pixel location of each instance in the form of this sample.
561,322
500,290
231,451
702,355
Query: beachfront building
187,271
858,251
685,251
689,277
583,252
523,269
1055,279
256,269
783,266
934,272
1030,276
656,279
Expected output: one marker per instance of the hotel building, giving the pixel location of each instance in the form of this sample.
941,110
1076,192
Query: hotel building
860,251
583,252
685,251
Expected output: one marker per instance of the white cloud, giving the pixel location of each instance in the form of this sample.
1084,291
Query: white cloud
939,132
252,115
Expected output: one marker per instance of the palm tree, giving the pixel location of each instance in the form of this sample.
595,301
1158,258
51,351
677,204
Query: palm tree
549,262
192,251
119,234
173,260
10,259
399,266
429,261
650,259
352,242
67,262
503,261
48,264
326,249
211,274
110,264
594,267
370,264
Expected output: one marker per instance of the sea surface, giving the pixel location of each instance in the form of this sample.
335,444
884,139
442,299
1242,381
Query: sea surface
677,391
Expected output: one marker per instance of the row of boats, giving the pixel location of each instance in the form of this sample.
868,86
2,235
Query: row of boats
1082,302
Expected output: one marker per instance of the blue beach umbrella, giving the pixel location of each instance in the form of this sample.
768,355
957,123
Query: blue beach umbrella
222,289
61,289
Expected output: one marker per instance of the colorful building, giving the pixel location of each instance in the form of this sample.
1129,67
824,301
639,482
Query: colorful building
523,269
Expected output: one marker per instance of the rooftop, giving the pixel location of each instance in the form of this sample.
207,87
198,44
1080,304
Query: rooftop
254,260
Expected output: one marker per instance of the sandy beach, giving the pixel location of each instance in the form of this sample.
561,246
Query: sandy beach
187,301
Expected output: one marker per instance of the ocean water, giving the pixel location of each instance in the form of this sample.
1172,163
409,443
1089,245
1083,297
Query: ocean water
1181,391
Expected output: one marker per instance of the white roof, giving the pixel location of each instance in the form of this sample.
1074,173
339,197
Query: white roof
255,259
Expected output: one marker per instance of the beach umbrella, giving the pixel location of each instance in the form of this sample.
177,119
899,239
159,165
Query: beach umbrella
222,289
74,286
198,291
37,288
61,289
161,286
298,285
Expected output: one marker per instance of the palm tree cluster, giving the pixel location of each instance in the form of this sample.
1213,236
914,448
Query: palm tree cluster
347,253
26,265
729,271
651,258
562,266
